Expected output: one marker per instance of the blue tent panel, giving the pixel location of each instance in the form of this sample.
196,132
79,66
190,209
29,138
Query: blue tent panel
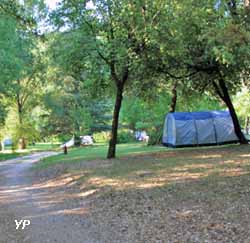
198,128
218,114
201,115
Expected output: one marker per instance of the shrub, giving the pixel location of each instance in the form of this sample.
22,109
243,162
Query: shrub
155,136
63,138
125,136
101,137
77,140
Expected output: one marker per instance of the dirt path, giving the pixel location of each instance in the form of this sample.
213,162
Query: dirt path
53,216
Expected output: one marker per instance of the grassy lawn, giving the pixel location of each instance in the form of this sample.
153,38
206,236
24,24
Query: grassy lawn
99,152
9,155
139,166
156,194
43,147
33,148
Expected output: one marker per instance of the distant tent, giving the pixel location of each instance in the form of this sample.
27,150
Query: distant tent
69,144
198,128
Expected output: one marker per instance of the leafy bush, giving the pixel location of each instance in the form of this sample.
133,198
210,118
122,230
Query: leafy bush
101,137
155,136
125,136
63,138
77,140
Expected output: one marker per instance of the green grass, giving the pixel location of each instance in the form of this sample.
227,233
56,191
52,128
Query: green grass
35,148
99,152
8,153
208,171
6,156
184,162
43,147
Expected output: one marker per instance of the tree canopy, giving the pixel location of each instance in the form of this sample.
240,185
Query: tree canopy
72,65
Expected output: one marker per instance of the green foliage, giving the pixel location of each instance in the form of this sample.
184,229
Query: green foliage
10,63
242,104
22,69
64,84
72,111
77,140
197,102
155,135
125,136
101,137
139,114
60,138
65,106
16,130
101,114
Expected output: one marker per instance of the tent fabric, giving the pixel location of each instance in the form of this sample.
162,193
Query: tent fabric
198,128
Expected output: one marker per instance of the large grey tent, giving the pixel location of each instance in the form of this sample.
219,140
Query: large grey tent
198,128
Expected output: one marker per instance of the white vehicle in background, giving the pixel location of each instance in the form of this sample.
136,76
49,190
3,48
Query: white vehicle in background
86,140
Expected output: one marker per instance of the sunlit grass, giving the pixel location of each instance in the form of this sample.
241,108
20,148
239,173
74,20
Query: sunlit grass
99,152
140,166
9,155
43,147
162,170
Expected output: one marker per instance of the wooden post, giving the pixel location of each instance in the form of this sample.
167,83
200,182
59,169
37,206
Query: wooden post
65,149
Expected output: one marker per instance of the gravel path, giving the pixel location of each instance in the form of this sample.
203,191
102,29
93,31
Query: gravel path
54,214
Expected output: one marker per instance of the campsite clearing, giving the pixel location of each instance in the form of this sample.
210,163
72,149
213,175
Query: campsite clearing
184,195
99,151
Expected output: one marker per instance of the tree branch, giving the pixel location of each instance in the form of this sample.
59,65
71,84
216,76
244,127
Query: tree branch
174,76
10,8
218,91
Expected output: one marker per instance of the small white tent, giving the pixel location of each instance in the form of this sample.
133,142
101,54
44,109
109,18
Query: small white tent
69,144
198,128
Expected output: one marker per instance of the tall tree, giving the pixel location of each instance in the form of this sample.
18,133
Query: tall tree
112,30
21,58
212,54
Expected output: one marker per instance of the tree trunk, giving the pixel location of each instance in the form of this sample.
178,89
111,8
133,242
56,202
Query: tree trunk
247,124
174,97
20,111
113,140
22,143
228,102
232,5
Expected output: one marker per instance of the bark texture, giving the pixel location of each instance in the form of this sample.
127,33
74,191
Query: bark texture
115,123
174,97
228,102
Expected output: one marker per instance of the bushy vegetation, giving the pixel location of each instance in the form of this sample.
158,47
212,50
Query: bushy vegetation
125,136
